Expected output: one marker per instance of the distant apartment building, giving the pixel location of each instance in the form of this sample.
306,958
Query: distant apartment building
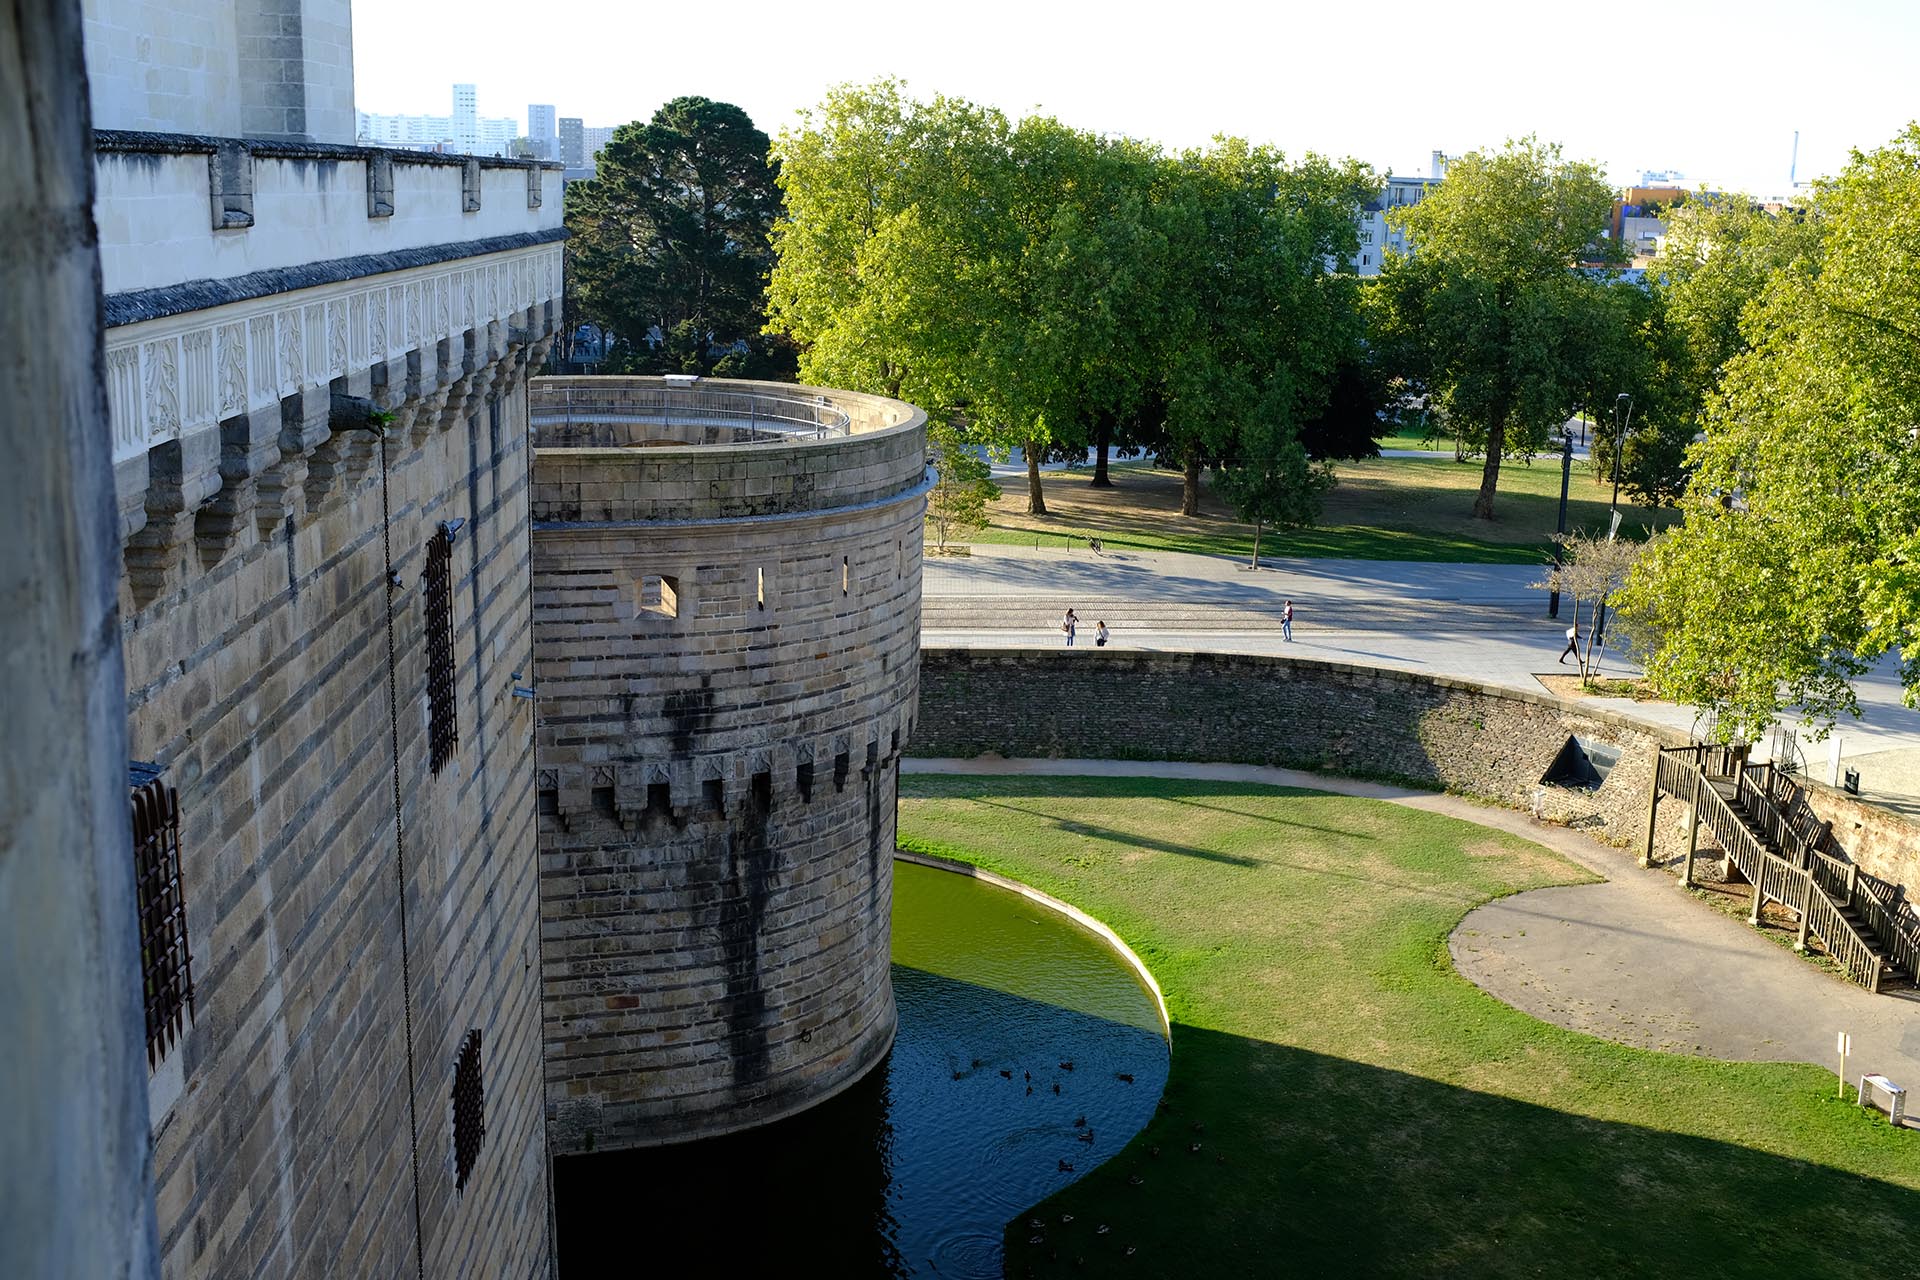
1378,237
466,118
573,143
542,131
493,136
1639,219
464,132
596,140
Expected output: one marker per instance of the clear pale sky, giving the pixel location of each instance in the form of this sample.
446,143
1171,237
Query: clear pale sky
1714,90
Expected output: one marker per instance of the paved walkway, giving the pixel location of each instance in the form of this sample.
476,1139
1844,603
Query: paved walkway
1476,621
1633,958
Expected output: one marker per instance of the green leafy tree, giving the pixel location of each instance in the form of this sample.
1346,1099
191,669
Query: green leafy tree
957,506
1796,567
1490,306
1257,317
1719,256
887,251
1629,344
1271,482
672,232
933,251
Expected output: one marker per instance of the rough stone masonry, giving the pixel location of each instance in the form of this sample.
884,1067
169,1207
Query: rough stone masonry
727,643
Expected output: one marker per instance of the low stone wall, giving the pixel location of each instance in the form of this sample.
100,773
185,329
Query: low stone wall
1885,844
1455,735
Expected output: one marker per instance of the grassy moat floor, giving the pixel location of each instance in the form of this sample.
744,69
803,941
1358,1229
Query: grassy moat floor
1342,1102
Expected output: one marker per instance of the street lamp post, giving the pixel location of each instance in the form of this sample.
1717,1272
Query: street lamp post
1566,475
1622,415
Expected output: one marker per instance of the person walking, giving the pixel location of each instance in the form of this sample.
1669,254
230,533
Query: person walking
1069,625
1286,622
1100,634
1573,643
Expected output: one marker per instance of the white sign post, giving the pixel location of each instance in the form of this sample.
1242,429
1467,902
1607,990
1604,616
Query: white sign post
1846,1047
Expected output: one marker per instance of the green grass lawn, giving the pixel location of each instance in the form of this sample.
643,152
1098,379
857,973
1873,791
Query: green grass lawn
1381,509
1360,1109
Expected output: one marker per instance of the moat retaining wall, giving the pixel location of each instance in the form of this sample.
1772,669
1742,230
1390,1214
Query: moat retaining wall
726,640
1455,735
1431,731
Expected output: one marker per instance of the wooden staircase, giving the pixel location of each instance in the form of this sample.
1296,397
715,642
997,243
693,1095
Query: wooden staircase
1761,818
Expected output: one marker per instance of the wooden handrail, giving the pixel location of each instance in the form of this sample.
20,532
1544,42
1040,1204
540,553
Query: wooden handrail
1796,887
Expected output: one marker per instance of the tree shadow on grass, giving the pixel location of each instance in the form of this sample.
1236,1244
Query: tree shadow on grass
1343,832
1129,838
1314,1165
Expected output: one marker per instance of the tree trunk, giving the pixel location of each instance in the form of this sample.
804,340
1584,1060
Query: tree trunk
1490,474
1190,487
1256,543
1036,500
1103,440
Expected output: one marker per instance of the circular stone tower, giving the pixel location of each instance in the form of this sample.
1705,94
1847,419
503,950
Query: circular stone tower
726,586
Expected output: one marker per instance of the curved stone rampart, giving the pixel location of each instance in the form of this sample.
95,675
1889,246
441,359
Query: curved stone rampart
726,644
1455,735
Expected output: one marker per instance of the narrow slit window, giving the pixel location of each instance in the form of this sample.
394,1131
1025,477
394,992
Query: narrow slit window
846,575
469,1109
760,588
166,964
437,583
659,593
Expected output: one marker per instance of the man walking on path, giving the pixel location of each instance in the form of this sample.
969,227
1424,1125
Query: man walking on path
1573,643
1069,624
1286,622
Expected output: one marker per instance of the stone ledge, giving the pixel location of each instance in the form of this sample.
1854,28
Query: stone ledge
139,305
142,142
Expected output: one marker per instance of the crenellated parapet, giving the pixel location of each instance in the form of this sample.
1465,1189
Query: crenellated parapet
243,370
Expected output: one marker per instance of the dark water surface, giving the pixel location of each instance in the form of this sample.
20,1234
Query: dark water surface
914,1170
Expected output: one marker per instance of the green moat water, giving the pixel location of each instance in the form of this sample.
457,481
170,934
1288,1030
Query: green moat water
914,1170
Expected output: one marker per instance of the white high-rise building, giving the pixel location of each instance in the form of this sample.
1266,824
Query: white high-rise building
466,118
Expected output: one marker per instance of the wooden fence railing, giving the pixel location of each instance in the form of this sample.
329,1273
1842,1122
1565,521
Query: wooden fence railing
1803,877
1898,932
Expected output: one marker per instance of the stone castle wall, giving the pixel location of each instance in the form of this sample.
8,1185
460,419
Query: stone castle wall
717,776
1454,735
256,605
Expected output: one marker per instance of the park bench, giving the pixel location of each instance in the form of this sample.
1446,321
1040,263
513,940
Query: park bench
1896,1096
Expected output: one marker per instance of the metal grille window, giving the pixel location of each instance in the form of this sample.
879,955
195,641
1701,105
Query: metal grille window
166,965
469,1109
437,582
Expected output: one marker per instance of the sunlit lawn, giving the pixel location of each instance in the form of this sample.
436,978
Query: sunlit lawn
1382,509
1359,1108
